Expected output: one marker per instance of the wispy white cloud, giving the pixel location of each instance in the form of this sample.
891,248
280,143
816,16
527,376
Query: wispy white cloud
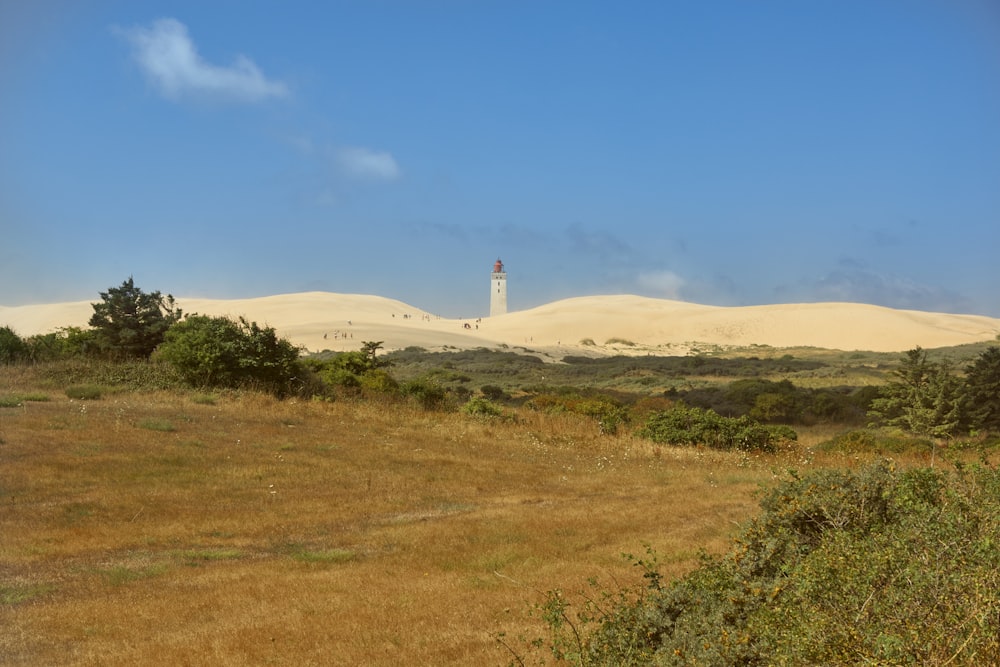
368,163
169,59
663,284
867,286
601,244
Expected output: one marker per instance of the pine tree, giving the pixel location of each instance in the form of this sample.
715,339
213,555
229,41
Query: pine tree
130,323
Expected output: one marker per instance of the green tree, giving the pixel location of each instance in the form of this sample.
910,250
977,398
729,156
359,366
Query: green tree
926,398
982,387
12,347
220,352
353,368
130,323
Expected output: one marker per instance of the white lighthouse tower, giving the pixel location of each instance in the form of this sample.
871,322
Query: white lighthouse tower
498,290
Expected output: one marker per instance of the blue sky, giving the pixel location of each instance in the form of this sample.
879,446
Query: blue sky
727,153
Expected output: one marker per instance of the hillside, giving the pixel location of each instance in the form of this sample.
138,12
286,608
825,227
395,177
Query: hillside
595,325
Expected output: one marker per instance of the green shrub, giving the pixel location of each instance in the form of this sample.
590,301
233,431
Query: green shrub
84,392
220,352
203,399
682,425
17,400
131,375
12,347
163,425
429,395
876,566
877,441
378,381
493,392
478,406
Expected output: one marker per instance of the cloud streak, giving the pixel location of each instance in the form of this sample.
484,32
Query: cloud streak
662,284
368,164
170,61
864,286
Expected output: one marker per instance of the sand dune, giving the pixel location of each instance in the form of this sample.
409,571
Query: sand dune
593,325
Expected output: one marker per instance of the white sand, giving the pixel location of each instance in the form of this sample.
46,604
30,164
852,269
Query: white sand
323,320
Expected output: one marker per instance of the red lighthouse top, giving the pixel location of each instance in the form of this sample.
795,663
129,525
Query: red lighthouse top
498,267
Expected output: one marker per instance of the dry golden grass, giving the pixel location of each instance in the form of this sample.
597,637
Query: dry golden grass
167,529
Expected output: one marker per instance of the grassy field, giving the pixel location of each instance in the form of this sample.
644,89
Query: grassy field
156,526
173,528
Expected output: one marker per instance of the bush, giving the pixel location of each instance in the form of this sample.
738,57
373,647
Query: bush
876,566
493,392
220,352
378,381
427,394
84,392
682,425
17,400
478,406
12,347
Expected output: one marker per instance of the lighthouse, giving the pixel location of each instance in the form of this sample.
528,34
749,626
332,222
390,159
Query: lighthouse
498,289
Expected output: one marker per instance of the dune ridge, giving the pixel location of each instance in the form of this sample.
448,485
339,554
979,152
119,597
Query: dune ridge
593,325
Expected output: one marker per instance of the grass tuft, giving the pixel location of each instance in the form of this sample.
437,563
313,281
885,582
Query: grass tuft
16,594
84,392
326,556
155,424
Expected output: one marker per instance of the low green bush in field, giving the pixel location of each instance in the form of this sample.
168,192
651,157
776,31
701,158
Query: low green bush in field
478,406
204,399
878,566
17,400
879,441
682,425
84,392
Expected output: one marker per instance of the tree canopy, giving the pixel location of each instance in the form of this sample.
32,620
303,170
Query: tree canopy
926,398
982,381
130,323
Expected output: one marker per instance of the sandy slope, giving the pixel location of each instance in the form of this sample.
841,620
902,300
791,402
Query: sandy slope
322,320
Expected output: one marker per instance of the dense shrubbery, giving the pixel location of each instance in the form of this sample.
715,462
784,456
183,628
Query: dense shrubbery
782,402
687,366
982,381
12,347
479,406
878,566
928,398
682,425
220,352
